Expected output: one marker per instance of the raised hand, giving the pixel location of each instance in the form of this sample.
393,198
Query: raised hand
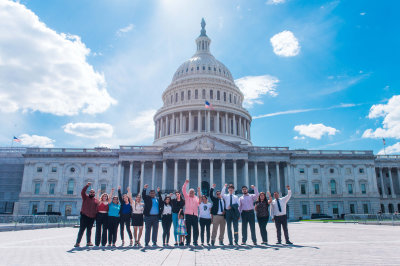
225,185
269,194
186,181
88,183
158,189
112,190
288,187
145,186
119,187
128,189
198,189
252,186
214,185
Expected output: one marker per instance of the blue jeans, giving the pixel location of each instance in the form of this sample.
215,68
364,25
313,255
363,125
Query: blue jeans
175,222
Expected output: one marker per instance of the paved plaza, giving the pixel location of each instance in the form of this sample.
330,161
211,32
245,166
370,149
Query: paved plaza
315,244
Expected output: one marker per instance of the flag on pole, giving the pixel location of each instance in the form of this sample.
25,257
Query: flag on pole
209,105
15,139
384,141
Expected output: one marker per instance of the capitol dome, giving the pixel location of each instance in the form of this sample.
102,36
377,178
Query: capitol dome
198,80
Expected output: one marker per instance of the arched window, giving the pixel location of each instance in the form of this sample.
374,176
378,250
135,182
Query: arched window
189,94
196,94
211,94
224,96
70,187
234,99
203,94
333,186
230,98
218,95
176,97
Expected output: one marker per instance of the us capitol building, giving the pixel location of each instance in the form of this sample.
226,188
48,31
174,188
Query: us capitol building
206,146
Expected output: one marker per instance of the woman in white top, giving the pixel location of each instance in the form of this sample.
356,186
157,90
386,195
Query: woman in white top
166,219
205,218
137,218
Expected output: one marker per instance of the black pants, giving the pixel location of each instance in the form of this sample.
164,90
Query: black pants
125,222
205,224
281,220
231,220
262,223
166,222
112,227
248,218
101,229
151,222
86,223
192,221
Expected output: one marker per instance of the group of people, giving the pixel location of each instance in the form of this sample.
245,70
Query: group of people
183,213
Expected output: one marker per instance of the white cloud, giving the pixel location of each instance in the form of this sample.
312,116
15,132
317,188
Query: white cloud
363,13
89,130
285,44
315,131
393,149
42,70
124,30
391,119
36,141
143,126
297,137
275,2
253,87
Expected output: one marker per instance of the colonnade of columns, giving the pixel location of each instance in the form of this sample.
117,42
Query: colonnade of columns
202,121
385,190
212,179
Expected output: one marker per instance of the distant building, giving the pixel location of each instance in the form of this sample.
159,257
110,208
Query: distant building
209,145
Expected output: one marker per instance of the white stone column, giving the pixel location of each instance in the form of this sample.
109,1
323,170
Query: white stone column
167,127
248,129
255,175
208,127
199,121
222,172
180,123
155,129
211,172
173,130
190,122
391,182
245,129
130,175
267,188
398,175
217,127
240,126
382,183
153,175
141,174
278,178
234,125
119,174
226,125
175,174
187,169
246,173
162,127
164,175
199,172
235,174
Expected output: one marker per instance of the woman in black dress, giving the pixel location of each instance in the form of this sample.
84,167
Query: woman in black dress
262,211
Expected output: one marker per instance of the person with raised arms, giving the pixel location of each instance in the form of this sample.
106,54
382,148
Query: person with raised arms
232,213
102,219
113,219
126,214
177,204
191,213
152,210
246,209
218,216
278,215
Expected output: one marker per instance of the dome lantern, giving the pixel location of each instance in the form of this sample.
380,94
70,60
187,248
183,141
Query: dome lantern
203,42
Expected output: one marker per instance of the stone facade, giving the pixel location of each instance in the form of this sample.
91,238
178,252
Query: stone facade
210,146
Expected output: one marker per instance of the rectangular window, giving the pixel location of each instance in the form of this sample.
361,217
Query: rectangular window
90,170
315,170
182,96
301,170
350,188
230,98
335,209
348,171
176,97
6,207
50,208
203,94
196,94
68,210
318,208
316,189
303,189
365,208
304,209
189,94
103,188
331,170
361,170
54,169
104,170
39,169
34,208
51,188
211,94
352,208
224,96
37,188
218,96
363,189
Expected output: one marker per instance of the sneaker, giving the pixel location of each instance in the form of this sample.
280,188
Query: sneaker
77,245
289,243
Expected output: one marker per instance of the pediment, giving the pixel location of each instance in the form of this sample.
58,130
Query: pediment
204,143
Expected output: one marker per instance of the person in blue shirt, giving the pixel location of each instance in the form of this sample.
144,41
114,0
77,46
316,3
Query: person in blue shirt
113,219
125,214
152,210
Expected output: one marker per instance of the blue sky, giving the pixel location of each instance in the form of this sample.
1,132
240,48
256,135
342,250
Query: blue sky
316,74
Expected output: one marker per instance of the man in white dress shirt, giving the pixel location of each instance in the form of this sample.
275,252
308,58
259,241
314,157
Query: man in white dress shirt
278,214
232,214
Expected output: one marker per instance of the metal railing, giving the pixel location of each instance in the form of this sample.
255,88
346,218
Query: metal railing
21,222
381,219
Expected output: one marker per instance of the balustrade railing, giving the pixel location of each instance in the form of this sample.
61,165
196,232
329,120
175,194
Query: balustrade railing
381,219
